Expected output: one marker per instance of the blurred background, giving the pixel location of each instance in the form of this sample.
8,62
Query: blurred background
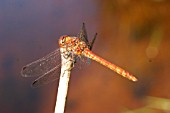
132,34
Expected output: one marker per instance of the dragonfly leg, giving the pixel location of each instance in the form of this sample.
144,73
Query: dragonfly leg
66,54
68,69
72,65
73,60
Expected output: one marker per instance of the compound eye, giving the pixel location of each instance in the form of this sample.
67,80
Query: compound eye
62,40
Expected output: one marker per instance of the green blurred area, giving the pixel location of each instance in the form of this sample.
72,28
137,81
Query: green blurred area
153,105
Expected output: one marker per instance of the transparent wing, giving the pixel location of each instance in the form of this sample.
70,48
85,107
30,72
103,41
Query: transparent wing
92,42
43,65
83,35
48,77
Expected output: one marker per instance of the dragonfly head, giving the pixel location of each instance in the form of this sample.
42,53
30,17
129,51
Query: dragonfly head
64,40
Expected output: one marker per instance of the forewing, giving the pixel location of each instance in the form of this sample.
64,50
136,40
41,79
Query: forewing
92,42
48,77
83,35
43,65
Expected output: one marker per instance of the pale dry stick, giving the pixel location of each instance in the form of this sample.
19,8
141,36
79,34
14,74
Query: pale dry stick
66,67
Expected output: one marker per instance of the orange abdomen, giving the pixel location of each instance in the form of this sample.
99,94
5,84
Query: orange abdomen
91,55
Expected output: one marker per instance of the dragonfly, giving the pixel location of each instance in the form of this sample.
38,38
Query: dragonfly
77,46
47,68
